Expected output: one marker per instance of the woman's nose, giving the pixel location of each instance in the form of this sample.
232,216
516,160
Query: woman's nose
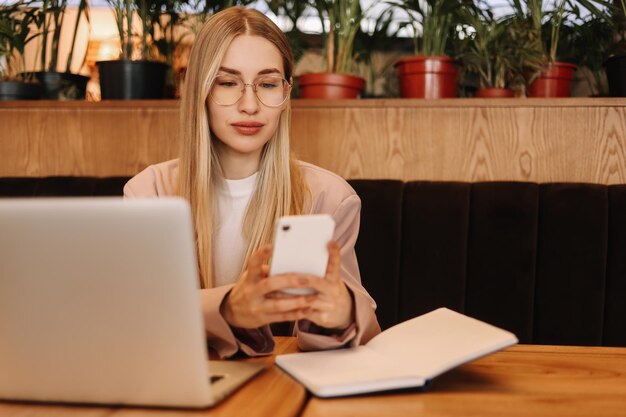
249,102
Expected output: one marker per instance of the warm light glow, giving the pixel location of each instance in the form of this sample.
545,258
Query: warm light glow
102,50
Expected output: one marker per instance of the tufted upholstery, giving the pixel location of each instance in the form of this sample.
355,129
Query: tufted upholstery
546,261
62,186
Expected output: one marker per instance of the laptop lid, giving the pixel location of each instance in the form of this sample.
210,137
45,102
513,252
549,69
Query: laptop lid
99,303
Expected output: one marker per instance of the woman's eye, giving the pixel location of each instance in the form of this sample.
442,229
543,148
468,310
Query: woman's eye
268,84
227,83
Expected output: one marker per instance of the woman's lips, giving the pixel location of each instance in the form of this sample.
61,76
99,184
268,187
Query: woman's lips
247,128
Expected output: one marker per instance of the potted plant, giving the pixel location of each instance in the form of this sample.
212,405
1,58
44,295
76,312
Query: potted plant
554,77
167,33
590,48
496,50
292,10
344,17
200,10
59,83
169,39
378,49
616,62
127,78
16,22
431,72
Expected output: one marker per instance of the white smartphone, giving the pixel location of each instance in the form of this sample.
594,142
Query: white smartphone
300,246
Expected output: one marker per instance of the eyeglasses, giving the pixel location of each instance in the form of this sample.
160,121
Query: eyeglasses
271,90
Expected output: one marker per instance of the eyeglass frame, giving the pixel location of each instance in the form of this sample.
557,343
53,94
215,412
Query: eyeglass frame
253,85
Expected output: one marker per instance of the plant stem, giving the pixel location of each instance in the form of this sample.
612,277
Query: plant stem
58,14
44,35
143,10
556,26
82,8
129,26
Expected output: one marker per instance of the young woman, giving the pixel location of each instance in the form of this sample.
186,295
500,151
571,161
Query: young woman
237,172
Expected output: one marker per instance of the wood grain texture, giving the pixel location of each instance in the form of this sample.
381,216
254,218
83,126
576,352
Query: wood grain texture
474,143
540,140
520,381
271,393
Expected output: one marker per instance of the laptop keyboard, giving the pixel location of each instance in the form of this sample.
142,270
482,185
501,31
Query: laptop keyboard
213,378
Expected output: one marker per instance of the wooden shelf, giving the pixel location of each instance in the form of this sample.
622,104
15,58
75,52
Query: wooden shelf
367,103
541,140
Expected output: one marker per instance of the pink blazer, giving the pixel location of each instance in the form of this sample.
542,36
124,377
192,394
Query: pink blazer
331,195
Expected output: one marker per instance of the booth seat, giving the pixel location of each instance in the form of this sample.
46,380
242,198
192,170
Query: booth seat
545,261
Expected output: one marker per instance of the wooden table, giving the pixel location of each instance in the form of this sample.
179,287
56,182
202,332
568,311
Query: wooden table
272,393
524,380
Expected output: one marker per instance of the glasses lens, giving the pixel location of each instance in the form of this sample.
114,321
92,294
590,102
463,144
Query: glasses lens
272,91
226,90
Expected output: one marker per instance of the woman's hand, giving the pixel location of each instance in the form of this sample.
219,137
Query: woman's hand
255,299
250,303
332,306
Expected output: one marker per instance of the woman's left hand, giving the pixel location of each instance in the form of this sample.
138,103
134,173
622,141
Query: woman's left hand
332,307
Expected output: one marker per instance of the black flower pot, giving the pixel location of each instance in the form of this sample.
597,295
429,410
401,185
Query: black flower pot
616,74
17,90
130,80
61,85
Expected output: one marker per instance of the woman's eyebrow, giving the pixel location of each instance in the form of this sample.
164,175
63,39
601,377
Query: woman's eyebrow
269,71
262,72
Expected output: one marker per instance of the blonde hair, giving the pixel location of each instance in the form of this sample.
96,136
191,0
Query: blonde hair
280,187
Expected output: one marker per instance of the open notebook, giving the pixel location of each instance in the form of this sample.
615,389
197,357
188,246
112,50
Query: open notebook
99,303
404,356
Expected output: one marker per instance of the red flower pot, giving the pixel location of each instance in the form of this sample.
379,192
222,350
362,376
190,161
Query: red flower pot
493,92
329,85
427,77
554,81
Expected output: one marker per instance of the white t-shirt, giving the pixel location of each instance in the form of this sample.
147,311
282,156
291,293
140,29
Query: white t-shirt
229,245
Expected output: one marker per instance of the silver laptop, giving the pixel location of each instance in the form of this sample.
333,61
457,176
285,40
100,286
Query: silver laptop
99,303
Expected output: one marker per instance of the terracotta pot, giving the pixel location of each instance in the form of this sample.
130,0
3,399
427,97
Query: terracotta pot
554,81
328,85
427,77
493,92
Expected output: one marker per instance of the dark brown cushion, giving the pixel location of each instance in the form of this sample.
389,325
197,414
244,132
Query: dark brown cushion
378,245
62,186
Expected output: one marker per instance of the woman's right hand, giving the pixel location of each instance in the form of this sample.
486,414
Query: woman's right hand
252,304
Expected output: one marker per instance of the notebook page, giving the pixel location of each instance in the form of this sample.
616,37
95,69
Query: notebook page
435,342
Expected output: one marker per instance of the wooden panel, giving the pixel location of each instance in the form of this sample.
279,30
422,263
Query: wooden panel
561,142
538,140
86,140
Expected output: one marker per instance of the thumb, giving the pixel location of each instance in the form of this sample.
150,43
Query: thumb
334,261
255,263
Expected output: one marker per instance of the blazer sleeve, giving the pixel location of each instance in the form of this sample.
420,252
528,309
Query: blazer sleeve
226,341
365,326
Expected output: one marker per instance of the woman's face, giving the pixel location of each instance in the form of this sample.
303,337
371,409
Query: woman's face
247,125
